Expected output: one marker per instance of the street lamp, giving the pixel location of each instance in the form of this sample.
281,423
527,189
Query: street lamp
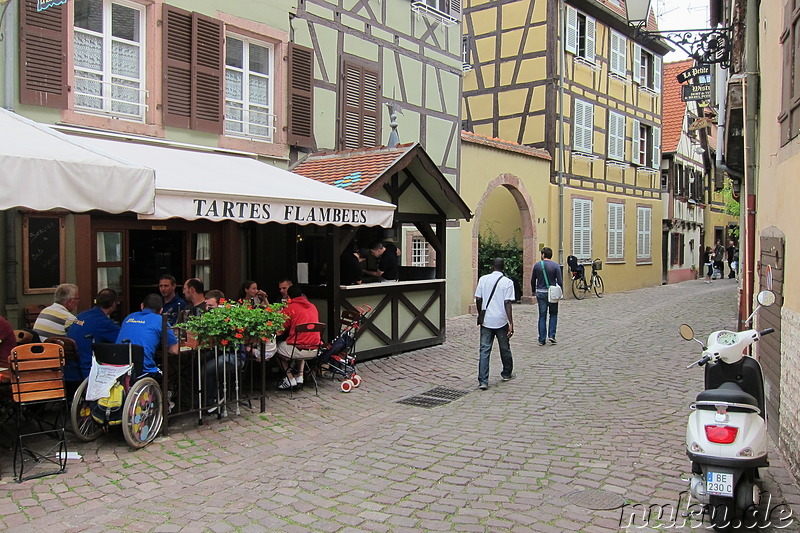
706,46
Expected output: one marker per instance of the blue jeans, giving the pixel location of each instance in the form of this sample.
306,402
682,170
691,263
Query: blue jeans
546,332
487,339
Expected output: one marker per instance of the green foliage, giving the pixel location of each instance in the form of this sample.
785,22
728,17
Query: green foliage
731,205
236,323
490,246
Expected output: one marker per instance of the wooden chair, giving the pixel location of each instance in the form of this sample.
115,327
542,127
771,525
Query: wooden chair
37,380
26,336
69,345
32,313
310,327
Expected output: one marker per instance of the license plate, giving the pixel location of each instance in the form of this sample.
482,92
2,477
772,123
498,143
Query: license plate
719,484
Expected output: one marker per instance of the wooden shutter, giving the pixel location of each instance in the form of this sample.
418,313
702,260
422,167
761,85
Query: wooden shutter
657,73
177,65
43,55
361,95
637,64
591,30
635,140
193,70
584,127
301,96
656,147
571,25
208,40
616,136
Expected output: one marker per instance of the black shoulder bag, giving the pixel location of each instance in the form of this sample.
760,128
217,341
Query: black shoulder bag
482,312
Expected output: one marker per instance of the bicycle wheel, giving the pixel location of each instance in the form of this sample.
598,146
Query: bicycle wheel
579,288
597,285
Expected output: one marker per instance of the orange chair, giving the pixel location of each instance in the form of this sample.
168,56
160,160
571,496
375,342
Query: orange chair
26,336
37,381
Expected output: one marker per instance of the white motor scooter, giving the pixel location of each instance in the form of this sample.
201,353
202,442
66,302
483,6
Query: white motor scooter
726,436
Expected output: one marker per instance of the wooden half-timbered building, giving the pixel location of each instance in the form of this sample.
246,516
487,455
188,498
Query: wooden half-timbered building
570,78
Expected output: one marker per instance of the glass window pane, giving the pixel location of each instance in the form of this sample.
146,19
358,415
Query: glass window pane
234,88
89,15
88,90
125,59
201,246
124,22
121,93
259,90
234,53
109,278
88,51
259,59
233,117
203,272
109,246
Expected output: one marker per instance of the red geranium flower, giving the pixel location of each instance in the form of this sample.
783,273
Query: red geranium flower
224,342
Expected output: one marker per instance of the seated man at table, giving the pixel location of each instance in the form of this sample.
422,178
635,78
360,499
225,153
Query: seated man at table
195,293
174,305
8,341
54,320
91,326
297,347
144,328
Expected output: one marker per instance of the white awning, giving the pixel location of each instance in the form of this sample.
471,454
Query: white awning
196,184
42,169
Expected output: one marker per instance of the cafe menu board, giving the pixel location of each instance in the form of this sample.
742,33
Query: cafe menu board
43,253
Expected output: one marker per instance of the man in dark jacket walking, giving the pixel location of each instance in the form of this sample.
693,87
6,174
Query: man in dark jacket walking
545,274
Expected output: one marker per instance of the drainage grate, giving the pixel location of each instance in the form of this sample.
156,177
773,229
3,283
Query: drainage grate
446,393
595,499
424,401
434,397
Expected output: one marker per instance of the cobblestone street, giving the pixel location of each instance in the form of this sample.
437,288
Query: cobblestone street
604,409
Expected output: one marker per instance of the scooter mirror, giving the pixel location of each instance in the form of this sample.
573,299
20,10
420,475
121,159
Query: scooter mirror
687,332
766,298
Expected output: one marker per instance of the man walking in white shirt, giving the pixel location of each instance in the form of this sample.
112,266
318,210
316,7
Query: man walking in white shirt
494,295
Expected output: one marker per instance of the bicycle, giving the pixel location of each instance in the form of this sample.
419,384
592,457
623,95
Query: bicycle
579,285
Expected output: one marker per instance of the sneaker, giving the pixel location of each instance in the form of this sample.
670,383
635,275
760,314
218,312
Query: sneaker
541,343
508,378
299,380
483,386
552,341
287,384
171,405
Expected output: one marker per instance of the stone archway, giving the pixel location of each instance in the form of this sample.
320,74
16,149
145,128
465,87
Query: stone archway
528,227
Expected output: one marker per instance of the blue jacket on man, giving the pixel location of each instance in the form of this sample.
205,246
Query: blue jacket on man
89,327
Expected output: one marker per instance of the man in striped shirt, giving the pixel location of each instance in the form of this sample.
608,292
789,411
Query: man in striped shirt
53,321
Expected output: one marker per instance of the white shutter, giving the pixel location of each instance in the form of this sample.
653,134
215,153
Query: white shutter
618,55
582,228
572,30
616,136
635,142
647,230
656,73
583,124
455,8
637,64
656,147
616,230
587,230
591,25
643,232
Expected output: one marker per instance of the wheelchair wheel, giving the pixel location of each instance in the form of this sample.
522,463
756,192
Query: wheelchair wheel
142,414
80,414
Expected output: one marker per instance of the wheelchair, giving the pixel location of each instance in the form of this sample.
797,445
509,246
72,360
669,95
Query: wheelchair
143,405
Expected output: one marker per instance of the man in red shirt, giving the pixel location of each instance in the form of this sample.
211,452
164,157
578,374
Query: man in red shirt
8,341
298,347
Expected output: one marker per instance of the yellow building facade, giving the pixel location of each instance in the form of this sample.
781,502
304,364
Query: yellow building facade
596,108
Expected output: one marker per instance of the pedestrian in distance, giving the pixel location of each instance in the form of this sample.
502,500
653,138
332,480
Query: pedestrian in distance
719,260
733,255
546,273
493,298
708,263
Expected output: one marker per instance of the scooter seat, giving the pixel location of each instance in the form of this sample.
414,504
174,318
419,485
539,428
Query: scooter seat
728,393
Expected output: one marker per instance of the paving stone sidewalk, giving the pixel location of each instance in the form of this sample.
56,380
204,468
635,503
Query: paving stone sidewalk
604,410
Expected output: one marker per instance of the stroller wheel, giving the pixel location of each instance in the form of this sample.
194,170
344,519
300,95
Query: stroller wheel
347,385
356,379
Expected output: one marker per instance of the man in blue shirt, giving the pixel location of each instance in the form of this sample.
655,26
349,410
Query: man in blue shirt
174,305
91,326
144,328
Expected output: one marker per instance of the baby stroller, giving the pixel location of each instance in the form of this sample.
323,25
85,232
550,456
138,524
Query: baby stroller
339,357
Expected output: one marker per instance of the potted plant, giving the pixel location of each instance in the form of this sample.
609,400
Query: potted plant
235,323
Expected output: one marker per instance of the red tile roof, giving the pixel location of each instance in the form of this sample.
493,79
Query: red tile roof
504,145
674,109
353,170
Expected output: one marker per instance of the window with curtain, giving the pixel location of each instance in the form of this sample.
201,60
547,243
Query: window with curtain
582,228
249,88
646,69
201,257
109,260
109,58
580,34
616,231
